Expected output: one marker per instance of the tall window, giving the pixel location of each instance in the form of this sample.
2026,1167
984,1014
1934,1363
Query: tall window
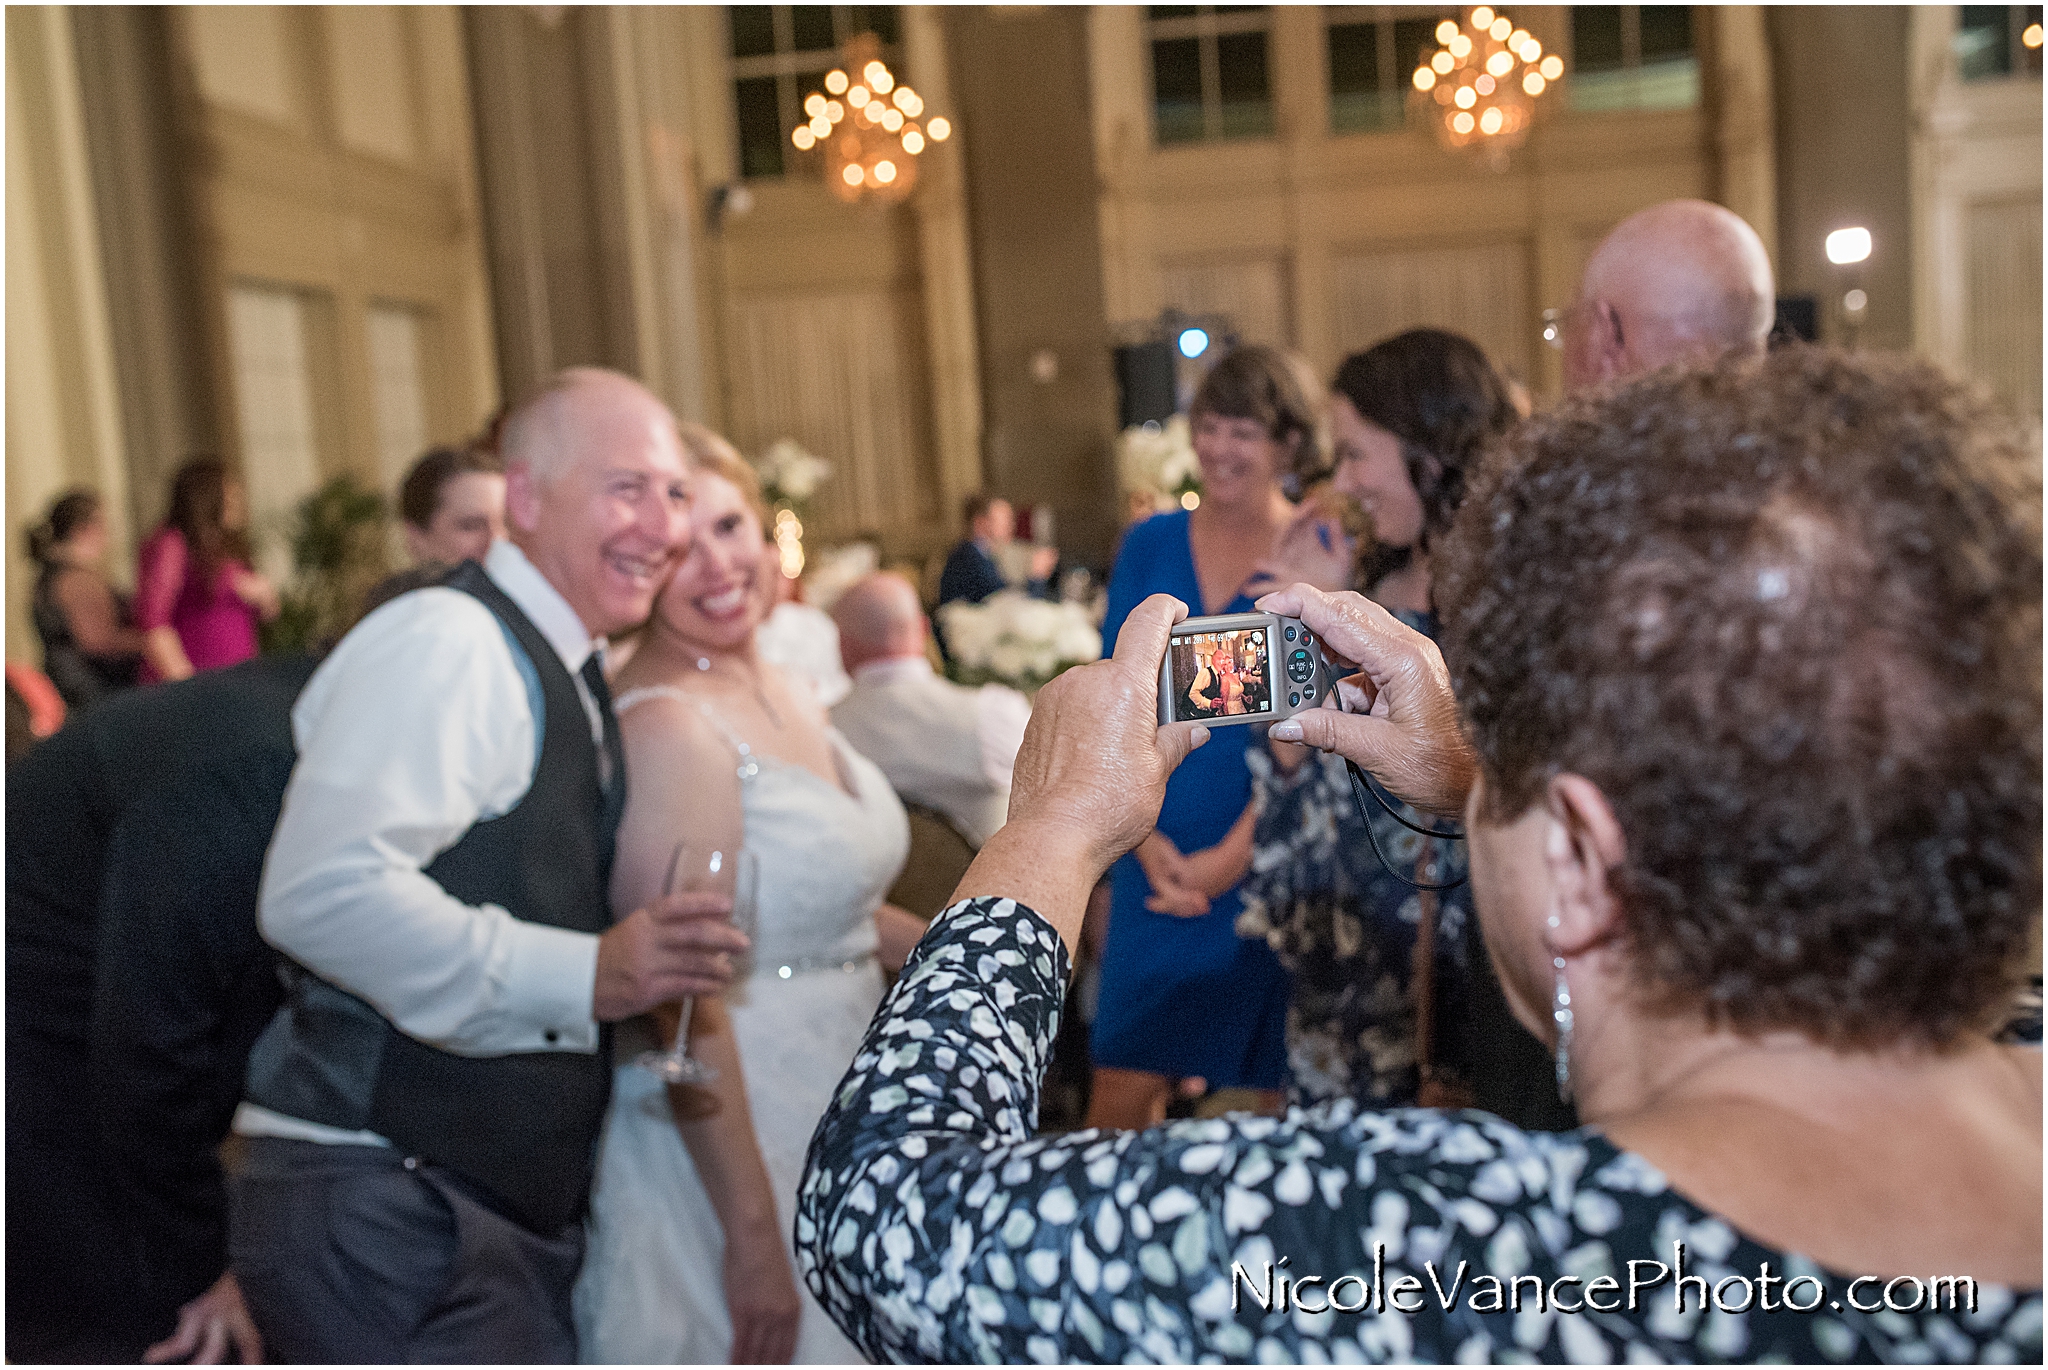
1633,57
1209,72
1372,56
1994,41
780,54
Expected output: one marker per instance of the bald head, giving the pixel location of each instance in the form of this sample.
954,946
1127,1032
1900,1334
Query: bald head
1680,281
575,411
879,618
597,493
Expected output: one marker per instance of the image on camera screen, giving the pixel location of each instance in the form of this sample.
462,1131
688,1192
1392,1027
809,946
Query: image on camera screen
1221,674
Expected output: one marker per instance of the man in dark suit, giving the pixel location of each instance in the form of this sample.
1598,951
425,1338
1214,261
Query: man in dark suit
971,571
136,984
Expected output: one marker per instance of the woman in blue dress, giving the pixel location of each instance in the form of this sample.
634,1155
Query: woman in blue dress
1182,994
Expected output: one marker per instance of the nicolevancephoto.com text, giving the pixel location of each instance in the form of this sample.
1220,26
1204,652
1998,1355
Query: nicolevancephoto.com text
1276,1289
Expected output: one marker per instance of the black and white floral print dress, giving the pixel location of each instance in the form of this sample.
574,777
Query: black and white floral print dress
932,1224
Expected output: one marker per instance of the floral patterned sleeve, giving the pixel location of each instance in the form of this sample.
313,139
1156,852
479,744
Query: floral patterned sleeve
933,1226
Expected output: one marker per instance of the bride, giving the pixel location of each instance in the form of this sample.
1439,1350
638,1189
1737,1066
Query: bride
689,1239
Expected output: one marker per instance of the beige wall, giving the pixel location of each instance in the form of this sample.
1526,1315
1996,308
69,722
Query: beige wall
1327,243
334,168
1975,159
849,328
63,416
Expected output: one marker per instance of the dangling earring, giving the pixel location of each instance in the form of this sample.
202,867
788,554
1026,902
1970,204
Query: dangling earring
1561,1015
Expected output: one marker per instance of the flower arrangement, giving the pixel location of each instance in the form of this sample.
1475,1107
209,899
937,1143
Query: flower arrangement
1159,459
790,475
1012,639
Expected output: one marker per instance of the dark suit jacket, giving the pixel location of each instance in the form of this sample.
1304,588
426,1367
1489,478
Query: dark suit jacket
970,574
136,983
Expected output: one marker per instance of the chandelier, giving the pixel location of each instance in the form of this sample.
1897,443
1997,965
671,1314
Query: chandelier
867,125
1479,88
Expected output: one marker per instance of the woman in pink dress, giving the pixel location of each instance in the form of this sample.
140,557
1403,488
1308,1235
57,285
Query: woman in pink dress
196,598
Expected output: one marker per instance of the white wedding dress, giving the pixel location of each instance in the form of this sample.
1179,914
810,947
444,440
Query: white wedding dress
652,1288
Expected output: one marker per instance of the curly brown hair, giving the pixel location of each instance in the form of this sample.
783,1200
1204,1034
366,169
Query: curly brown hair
1786,614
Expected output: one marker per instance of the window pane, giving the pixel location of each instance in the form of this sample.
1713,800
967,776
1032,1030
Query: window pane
1666,32
1414,43
1237,9
2029,18
1596,38
1177,89
1356,100
1983,42
1172,11
813,24
753,30
880,20
1246,84
760,126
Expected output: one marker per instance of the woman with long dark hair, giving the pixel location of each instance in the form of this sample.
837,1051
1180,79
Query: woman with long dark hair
90,646
196,596
1393,1002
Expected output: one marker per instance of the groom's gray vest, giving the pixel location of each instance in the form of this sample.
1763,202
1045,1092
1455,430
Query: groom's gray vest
524,1127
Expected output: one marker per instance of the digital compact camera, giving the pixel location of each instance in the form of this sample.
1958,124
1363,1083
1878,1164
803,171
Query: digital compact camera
1241,668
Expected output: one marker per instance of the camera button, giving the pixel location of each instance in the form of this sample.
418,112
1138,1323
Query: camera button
1293,700
1290,634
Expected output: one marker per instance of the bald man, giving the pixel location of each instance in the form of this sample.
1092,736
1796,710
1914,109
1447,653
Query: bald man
1679,282
945,746
422,1115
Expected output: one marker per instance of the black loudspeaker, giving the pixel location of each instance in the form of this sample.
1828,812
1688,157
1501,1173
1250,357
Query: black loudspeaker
1798,320
1145,383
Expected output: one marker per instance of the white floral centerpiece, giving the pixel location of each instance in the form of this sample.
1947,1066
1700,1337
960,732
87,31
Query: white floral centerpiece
790,475
1158,459
1012,639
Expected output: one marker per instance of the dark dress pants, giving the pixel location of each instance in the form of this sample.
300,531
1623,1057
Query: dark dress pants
358,1254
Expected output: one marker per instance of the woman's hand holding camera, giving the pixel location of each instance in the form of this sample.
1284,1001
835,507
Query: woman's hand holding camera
1090,776
1405,730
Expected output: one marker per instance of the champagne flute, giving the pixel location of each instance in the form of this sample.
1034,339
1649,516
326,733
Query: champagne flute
695,870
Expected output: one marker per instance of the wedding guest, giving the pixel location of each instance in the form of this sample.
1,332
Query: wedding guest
197,601
1753,789
421,1118
1682,281
1182,994
971,571
1394,1001
945,746
452,505
690,1237
90,646
136,984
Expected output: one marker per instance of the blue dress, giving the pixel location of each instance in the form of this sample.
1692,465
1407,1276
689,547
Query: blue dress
1186,996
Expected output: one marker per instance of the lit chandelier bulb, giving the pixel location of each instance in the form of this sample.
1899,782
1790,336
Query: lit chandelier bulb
938,129
835,81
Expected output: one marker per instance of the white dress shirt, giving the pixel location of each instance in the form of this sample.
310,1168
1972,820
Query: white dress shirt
416,728
950,747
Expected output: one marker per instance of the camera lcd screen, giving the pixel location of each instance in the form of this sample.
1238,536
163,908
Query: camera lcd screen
1217,675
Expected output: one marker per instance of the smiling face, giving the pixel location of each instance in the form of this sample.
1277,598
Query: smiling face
717,596
1241,463
597,494
468,519
1371,471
